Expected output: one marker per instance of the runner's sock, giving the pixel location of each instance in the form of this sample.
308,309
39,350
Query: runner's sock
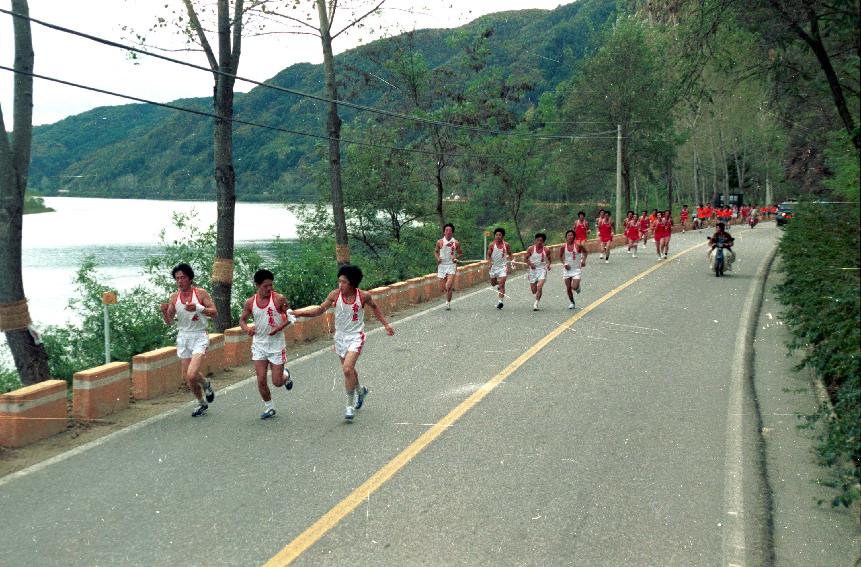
269,404
351,395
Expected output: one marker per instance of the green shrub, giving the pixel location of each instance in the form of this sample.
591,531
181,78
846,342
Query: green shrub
9,379
821,289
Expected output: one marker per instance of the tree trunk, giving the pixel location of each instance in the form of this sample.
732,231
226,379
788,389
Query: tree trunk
696,178
440,187
669,185
31,360
636,195
333,125
725,168
739,171
714,171
814,41
225,174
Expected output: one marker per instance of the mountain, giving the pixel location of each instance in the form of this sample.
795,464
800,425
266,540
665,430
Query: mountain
145,151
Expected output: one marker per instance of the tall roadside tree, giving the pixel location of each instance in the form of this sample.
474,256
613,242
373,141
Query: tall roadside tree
29,354
626,82
326,12
223,60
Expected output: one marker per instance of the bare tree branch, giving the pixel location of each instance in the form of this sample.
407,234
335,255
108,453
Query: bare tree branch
359,19
194,21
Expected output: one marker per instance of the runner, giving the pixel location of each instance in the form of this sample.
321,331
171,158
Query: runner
644,227
581,231
573,259
268,347
632,233
605,235
700,221
683,217
499,254
349,303
447,253
600,218
659,227
668,232
192,308
538,261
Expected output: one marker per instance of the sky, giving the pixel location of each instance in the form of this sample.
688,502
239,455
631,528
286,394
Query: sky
63,56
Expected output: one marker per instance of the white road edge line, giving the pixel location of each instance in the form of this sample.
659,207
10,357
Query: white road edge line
734,516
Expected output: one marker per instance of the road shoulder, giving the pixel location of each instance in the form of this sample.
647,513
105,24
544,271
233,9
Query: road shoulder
804,533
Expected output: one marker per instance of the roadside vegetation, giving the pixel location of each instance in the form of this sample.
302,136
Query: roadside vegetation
821,290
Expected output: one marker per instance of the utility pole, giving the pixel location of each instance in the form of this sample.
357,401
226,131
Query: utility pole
618,174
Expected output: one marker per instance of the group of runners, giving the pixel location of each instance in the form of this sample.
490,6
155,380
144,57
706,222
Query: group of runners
192,307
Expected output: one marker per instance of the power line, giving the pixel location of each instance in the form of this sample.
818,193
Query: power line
232,120
294,92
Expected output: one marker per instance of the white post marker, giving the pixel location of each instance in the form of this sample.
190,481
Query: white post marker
108,298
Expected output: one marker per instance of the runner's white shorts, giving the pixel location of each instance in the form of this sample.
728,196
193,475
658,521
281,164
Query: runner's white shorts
498,272
536,275
276,358
574,273
444,270
349,343
189,344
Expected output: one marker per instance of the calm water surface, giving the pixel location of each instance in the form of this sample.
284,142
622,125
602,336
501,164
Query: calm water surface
119,234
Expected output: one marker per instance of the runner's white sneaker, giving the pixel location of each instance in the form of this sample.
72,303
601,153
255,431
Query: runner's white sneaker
535,305
349,413
447,306
571,305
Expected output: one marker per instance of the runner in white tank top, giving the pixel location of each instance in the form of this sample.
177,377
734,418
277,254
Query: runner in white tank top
499,254
573,260
538,260
269,312
349,303
192,308
447,253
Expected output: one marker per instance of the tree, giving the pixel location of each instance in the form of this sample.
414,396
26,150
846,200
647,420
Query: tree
223,64
516,164
29,354
624,83
326,11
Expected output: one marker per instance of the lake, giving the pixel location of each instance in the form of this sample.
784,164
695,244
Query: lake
119,234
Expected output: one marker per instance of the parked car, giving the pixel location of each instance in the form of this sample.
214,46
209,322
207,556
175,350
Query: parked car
784,212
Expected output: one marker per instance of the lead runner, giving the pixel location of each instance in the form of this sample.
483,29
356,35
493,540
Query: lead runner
349,303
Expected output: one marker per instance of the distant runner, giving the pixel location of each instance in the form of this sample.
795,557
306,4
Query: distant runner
447,252
539,264
605,235
499,254
573,261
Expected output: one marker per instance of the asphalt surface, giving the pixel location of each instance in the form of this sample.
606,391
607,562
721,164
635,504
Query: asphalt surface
608,447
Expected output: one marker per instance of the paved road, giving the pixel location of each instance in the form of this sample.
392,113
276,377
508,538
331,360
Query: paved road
615,444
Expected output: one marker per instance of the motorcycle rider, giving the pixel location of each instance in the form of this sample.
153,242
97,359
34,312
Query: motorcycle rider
721,236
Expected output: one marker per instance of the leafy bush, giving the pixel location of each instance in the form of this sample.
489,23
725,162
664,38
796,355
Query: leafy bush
135,328
824,315
9,379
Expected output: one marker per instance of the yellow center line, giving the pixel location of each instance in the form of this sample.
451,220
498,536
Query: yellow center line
330,519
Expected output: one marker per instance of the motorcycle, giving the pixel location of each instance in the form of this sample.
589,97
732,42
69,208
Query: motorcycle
719,262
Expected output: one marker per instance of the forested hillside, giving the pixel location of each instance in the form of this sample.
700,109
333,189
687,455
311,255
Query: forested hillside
144,151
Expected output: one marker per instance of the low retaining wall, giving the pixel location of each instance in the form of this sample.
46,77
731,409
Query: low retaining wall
101,391
32,413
